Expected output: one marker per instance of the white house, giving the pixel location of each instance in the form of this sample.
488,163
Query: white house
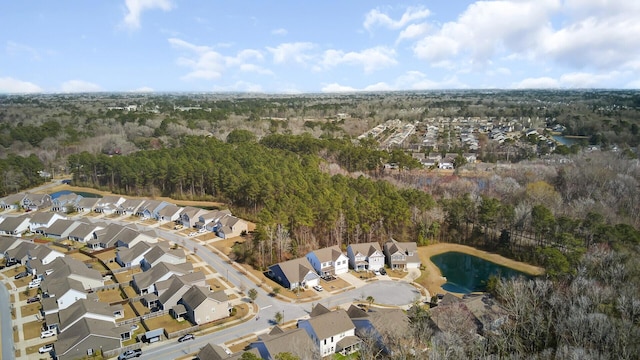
14,226
365,256
329,261
331,331
43,220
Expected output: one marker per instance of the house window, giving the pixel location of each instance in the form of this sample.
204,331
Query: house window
325,341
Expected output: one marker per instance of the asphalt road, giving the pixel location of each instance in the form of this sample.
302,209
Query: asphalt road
5,325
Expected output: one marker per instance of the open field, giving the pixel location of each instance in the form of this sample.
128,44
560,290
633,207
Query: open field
432,279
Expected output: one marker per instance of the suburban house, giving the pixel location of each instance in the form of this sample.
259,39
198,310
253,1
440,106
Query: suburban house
114,235
13,201
203,306
210,219
84,232
65,202
329,261
190,215
151,209
294,273
65,292
42,220
296,342
8,243
14,226
162,253
331,331
68,267
43,254
365,256
402,255
20,252
129,206
89,336
60,229
132,256
34,202
86,204
145,282
170,291
108,204
169,213
230,226
88,309
381,325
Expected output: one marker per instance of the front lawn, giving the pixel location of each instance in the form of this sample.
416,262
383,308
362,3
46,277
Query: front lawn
168,323
32,330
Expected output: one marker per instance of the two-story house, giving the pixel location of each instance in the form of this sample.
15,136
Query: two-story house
365,256
401,256
331,331
329,261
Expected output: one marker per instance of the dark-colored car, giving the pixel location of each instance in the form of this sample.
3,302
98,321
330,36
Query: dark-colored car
186,337
383,271
21,275
130,354
33,299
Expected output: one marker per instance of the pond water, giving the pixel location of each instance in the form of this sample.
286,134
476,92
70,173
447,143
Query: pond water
467,273
57,194
568,141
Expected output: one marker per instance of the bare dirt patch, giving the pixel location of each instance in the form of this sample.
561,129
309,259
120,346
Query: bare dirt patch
168,323
109,296
432,278
32,330
30,309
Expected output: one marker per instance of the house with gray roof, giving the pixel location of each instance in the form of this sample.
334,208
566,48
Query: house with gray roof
203,305
190,215
331,331
108,204
170,291
90,309
294,273
87,337
215,352
129,206
65,202
296,342
132,256
42,220
365,256
60,229
380,324
145,282
329,261
402,255
210,219
86,204
13,201
150,209
230,226
169,213
14,226
65,291
20,252
8,243
66,266
163,253
35,202
43,254
84,232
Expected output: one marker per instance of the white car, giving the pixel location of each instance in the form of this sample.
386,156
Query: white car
193,233
45,349
34,284
47,333
318,288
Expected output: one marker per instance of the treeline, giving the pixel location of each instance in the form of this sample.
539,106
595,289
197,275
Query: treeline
19,173
275,187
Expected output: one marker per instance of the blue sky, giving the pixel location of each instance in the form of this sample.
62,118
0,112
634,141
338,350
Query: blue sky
291,46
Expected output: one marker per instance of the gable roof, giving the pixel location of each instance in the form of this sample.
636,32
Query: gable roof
159,250
42,217
82,307
6,242
330,253
169,210
21,251
176,284
66,266
13,198
296,341
331,323
131,204
83,230
10,224
129,254
295,270
151,276
83,329
87,203
192,212
366,249
394,246
196,295
60,226
60,286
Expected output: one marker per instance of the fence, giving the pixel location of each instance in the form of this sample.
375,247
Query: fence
179,333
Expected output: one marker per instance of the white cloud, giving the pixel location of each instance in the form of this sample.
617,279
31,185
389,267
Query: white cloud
413,31
292,52
79,86
279,32
583,80
136,7
144,89
381,86
370,59
537,83
336,88
16,49
376,17
15,86
208,64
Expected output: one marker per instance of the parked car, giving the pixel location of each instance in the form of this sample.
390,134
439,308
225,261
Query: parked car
34,283
10,263
178,227
383,271
193,233
45,349
33,299
186,337
318,288
130,354
20,275
47,333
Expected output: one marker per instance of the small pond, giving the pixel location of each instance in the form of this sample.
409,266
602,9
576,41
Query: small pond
57,194
467,273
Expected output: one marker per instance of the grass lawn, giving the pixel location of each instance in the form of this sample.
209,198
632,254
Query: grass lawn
128,312
32,330
141,309
30,309
396,274
134,336
106,256
168,323
34,348
243,344
79,256
25,295
109,296
334,285
215,284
